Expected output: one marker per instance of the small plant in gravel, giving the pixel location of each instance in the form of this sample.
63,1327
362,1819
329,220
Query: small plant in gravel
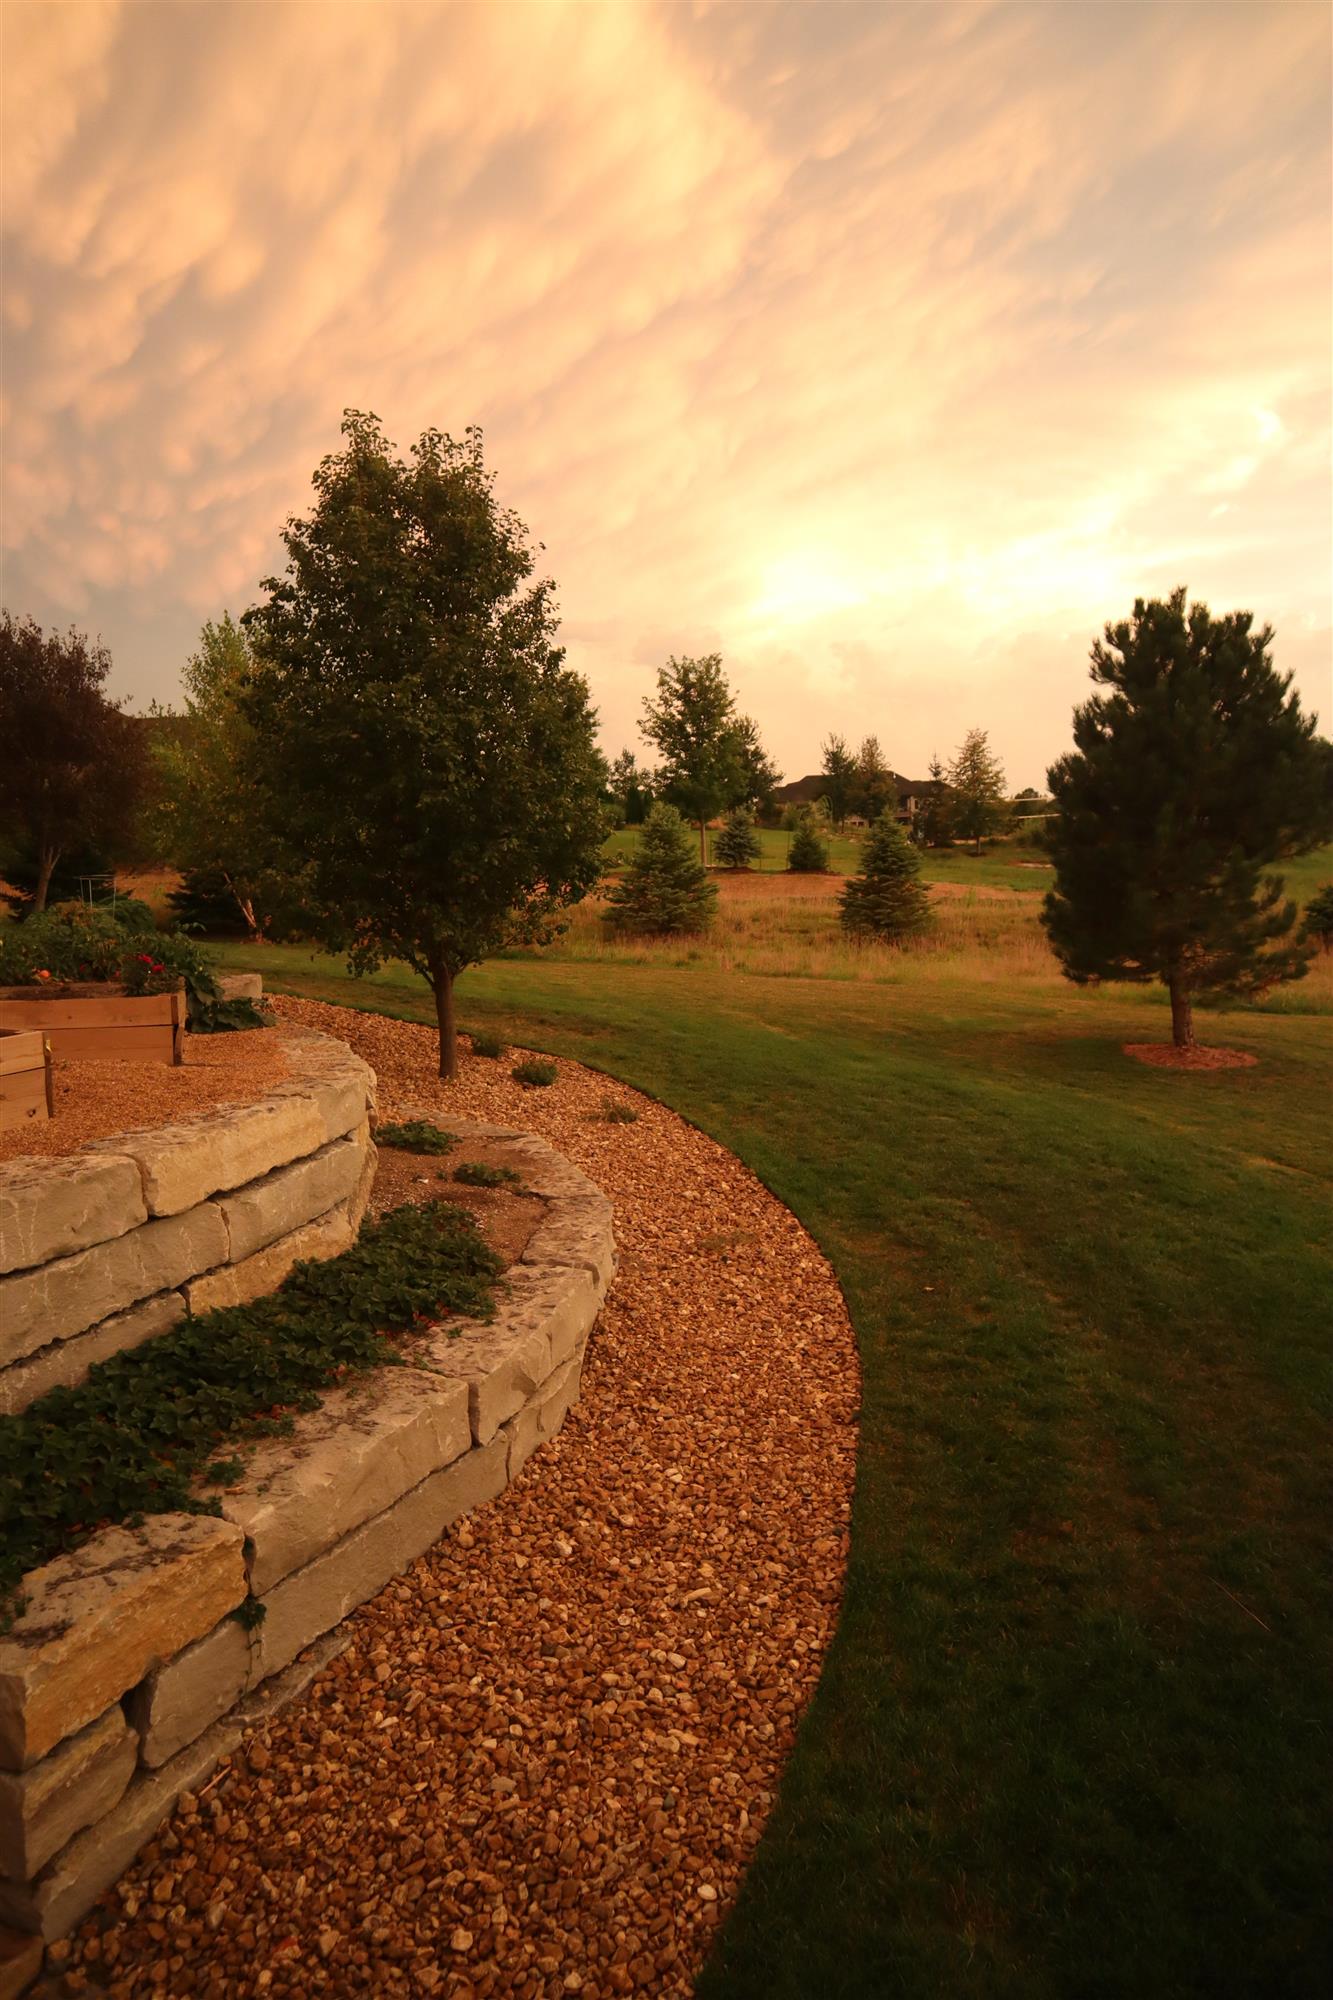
616,1112
476,1173
132,1438
533,1074
484,1043
415,1135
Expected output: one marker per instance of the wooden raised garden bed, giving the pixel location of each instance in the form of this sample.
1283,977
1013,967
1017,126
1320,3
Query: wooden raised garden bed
25,1077
99,1023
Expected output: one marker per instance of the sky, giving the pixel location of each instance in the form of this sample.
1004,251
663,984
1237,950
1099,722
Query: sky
888,351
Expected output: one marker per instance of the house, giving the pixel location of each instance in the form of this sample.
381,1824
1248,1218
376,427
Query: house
913,794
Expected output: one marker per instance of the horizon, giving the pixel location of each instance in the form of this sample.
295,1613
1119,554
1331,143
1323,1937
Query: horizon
888,351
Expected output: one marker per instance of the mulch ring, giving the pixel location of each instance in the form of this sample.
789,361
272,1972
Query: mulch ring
1165,1055
542,1764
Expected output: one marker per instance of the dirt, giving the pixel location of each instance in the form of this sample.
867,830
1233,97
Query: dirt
506,1216
1165,1055
100,1100
543,1763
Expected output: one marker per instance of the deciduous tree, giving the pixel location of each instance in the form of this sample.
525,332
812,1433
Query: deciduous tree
425,745
875,791
838,771
1193,772
976,778
72,768
711,756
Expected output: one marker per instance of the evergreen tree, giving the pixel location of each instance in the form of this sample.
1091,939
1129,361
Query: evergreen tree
422,742
1191,774
874,792
807,854
738,844
664,889
1317,923
939,821
838,771
977,780
886,900
760,776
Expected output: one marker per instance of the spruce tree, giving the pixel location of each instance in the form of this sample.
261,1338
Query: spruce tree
977,780
939,820
1192,773
886,900
664,889
838,771
807,854
737,845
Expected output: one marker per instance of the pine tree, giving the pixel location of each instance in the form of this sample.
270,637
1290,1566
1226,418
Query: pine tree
664,890
875,789
1192,773
807,854
939,821
977,780
886,900
737,845
838,771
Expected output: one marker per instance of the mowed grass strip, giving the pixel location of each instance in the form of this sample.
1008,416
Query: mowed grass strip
1072,1736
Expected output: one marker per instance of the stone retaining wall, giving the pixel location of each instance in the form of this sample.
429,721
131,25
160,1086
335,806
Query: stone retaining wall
129,1674
107,1248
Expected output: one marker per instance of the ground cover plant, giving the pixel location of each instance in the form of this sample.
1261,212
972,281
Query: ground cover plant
1066,1738
132,1439
76,943
476,1173
534,1074
486,1044
415,1135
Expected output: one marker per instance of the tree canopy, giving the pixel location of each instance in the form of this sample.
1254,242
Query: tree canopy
73,767
838,771
711,756
976,778
424,745
1192,773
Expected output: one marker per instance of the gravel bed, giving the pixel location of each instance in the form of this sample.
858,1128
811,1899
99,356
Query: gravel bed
543,1762
101,1100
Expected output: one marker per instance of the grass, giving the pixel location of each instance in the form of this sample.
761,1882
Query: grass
999,866
1071,1737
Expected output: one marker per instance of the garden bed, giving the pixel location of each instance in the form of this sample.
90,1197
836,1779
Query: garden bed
97,1021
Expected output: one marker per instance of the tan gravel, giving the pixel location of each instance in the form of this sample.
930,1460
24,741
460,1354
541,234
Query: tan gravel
100,1100
544,1761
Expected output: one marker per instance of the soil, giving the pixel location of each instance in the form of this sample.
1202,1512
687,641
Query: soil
101,1100
541,1766
506,1216
1165,1055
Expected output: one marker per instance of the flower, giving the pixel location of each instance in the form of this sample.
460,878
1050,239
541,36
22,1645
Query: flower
42,975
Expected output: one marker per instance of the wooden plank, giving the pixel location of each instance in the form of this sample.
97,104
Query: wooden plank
152,1043
23,1099
117,1012
21,1050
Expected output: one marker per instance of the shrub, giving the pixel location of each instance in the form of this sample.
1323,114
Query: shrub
1319,916
617,1112
84,942
664,890
130,1439
475,1173
807,854
886,900
737,845
534,1074
415,1135
484,1043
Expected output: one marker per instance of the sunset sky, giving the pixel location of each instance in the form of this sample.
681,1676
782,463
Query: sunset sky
887,350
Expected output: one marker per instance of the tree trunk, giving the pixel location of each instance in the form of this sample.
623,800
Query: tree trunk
442,985
703,842
46,862
246,908
1182,1013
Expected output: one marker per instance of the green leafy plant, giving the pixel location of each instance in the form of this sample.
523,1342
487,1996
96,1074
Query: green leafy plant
415,1135
485,1043
134,1437
536,1075
616,1112
476,1173
81,943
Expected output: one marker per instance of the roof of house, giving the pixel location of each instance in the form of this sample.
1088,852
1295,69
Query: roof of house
802,790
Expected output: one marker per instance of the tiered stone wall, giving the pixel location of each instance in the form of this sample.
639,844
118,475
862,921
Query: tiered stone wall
104,1249
129,1673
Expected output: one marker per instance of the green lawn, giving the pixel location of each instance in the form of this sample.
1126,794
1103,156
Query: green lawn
998,867
1072,1737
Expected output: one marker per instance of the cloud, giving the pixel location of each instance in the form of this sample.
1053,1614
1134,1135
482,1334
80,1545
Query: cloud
889,350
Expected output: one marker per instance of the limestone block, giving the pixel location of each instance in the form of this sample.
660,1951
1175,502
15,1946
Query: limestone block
542,1416
339,1086
501,1365
95,1858
68,1296
96,1620
577,1232
563,1299
241,985
359,1199
80,1780
313,1599
20,1963
346,1462
51,1208
66,1363
178,1701
183,1164
265,1271
548,1173
257,1214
